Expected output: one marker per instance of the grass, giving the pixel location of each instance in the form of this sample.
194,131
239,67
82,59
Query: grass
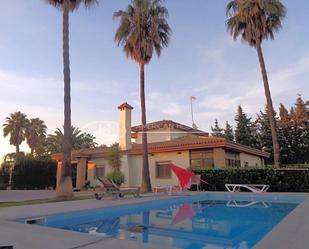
43,201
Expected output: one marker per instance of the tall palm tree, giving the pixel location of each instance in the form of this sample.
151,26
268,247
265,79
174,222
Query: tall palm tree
16,126
35,133
254,21
143,29
64,188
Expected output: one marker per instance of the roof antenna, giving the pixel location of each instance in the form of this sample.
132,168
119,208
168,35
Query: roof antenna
192,98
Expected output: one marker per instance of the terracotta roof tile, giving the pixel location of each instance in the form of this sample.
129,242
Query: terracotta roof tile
125,106
188,143
179,144
169,124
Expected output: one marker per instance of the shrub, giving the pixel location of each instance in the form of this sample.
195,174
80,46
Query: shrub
4,176
116,176
30,173
280,180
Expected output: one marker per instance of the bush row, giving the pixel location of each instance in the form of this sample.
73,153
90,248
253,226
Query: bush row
30,173
280,180
4,177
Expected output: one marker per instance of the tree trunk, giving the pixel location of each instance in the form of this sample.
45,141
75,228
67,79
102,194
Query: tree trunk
65,187
31,151
146,183
271,113
17,149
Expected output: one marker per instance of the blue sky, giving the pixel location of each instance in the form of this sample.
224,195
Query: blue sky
202,60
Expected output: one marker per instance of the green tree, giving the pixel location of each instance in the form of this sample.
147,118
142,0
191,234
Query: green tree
16,126
35,133
80,140
7,167
113,156
143,30
228,132
243,130
216,130
300,130
263,134
65,188
254,21
287,150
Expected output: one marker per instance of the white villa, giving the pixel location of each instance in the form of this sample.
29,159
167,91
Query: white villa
168,142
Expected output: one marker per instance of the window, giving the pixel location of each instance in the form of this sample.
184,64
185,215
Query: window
100,171
202,159
163,170
232,163
232,159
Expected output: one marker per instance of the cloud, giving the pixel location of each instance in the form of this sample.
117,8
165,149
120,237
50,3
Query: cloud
164,103
94,104
39,96
219,97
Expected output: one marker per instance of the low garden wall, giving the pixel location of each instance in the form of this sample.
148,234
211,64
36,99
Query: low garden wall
280,180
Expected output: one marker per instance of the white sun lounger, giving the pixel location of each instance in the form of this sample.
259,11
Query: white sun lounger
168,189
240,204
255,188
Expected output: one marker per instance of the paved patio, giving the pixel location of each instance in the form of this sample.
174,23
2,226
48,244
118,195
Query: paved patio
28,195
291,233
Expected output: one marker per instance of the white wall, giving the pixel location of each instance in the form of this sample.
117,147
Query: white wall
182,160
253,161
92,170
163,134
158,135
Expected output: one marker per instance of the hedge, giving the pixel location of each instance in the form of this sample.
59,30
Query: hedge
32,173
280,180
4,177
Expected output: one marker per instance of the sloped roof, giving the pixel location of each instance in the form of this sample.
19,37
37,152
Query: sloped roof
125,105
169,124
85,153
190,142
179,144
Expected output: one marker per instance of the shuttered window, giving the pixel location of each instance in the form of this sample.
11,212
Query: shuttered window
163,170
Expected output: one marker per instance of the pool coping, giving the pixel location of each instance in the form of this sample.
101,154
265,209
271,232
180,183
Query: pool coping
18,234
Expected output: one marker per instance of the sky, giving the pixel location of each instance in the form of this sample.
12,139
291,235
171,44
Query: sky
202,60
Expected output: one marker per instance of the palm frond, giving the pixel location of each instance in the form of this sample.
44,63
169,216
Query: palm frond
254,20
143,29
73,4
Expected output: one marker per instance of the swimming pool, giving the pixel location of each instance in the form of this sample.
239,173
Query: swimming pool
191,222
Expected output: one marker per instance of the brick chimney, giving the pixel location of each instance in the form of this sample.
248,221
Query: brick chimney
125,126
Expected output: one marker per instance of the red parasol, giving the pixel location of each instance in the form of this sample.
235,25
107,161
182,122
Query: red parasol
184,212
183,176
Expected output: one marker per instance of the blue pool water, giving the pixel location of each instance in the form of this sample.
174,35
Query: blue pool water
205,221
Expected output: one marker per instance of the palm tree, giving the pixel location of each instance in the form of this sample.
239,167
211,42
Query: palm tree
80,140
65,188
35,133
143,29
16,126
255,21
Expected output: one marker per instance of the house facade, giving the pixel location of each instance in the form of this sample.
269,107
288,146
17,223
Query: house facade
168,142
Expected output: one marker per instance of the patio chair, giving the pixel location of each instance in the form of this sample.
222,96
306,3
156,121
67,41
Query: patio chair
168,189
109,187
195,181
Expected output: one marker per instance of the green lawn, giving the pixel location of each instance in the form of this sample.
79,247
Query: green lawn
42,201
